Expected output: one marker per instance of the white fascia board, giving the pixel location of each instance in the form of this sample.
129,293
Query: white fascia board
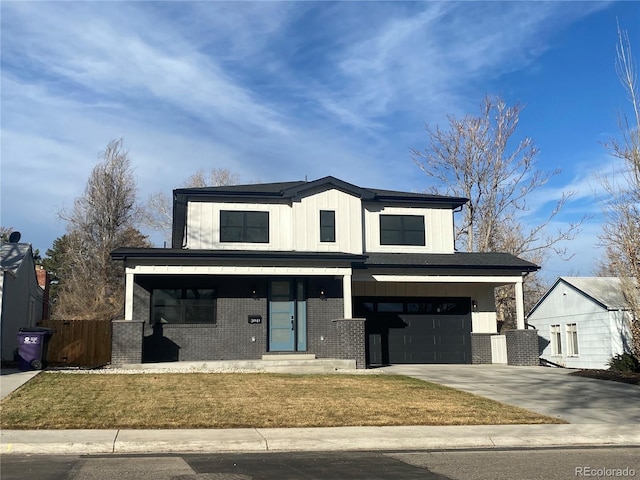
436,278
235,270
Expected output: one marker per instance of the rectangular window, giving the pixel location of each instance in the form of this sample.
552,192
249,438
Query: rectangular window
556,343
327,226
244,227
183,305
402,230
572,339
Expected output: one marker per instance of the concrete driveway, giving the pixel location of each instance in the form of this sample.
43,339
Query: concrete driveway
550,391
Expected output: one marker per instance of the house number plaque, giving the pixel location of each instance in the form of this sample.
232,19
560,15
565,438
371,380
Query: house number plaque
255,319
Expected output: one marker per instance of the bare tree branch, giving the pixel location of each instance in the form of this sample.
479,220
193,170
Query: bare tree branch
478,158
157,213
621,232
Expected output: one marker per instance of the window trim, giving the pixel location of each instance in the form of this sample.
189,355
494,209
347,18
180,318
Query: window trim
403,231
244,226
331,226
555,338
573,349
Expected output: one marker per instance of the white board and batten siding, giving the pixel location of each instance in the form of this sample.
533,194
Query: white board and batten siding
598,332
438,225
296,226
203,226
348,222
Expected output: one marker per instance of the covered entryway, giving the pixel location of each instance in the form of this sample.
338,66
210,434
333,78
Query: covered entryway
416,330
287,316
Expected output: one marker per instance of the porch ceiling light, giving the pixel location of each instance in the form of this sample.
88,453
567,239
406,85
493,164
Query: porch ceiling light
323,294
254,293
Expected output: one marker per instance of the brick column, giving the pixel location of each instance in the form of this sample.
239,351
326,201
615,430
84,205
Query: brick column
351,338
126,341
522,347
481,348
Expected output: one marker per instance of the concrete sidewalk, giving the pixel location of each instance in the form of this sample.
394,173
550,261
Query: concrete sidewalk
11,379
602,413
80,442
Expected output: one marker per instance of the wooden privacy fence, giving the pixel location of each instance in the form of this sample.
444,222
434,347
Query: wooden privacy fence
79,343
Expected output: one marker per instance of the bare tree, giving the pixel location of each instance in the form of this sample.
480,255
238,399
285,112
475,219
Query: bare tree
477,157
102,219
158,211
621,230
5,233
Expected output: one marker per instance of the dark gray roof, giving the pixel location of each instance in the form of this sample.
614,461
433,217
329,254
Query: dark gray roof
456,260
256,188
474,261
294,189
12,255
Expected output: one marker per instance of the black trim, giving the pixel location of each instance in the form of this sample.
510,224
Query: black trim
377,261
125,253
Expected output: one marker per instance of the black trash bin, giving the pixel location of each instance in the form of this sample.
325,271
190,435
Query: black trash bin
32,347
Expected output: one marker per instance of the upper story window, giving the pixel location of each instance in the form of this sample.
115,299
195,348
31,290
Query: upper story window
327,226
245,227
402,230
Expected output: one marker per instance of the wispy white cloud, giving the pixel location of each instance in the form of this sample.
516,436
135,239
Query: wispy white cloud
274,90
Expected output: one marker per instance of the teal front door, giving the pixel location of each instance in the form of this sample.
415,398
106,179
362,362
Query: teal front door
287,316
282,316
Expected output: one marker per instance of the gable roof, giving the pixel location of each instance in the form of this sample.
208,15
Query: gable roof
12,255
294,190
605,291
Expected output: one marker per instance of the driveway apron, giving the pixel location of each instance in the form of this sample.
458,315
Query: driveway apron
550,391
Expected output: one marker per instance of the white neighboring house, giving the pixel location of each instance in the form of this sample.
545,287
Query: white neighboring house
582,322
21,298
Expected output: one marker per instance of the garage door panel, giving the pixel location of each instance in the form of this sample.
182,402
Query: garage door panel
418,337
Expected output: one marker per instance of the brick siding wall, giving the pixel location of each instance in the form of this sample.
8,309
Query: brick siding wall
232,337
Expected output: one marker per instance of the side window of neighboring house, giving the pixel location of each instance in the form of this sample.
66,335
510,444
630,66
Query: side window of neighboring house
327,226
402,230
572,339
556,343
183,305
244,227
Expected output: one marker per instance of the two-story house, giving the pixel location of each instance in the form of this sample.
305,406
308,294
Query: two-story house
322,267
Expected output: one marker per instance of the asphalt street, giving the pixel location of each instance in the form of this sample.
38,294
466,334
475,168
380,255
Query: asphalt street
515,464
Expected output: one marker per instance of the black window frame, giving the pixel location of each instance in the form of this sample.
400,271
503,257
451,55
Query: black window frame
247,224
328,226
186,306
404,235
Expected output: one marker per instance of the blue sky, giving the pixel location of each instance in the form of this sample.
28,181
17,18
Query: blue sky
280,91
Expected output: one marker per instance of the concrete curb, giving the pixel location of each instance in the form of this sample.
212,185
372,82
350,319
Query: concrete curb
82,442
